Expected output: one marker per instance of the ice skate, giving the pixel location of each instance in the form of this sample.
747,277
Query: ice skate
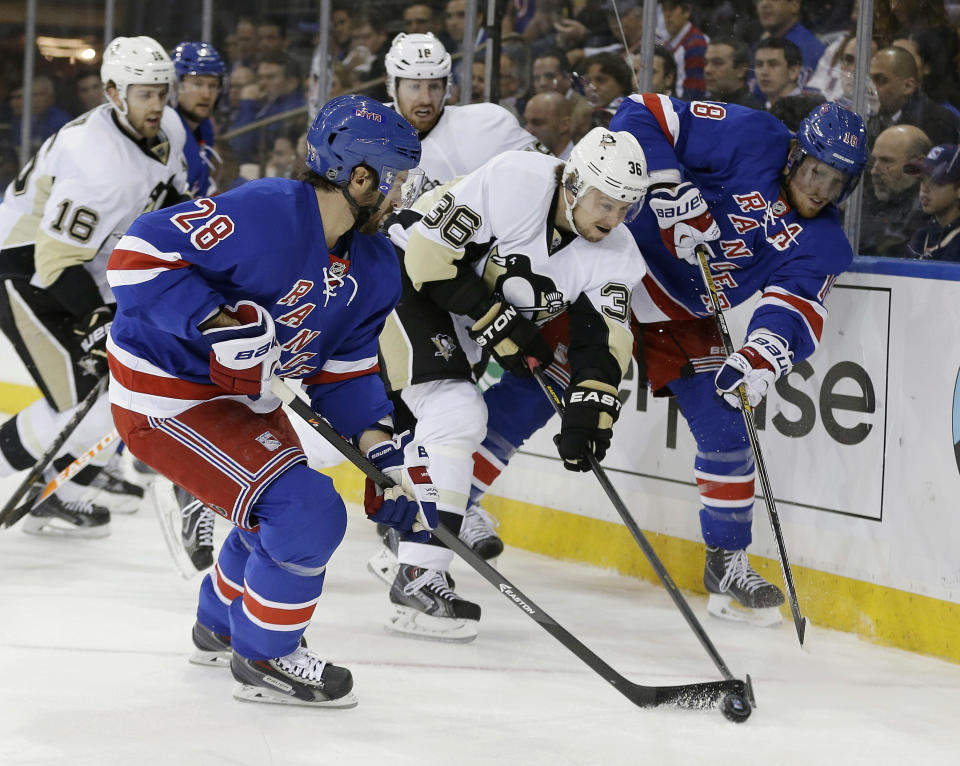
214,649
477,532
116,492
187,526
68,513
738,592
300,678
383,563
426,607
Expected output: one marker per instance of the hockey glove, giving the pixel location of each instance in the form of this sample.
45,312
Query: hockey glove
243,357
413,499
685,221
92,333
590,410
763,359
511,338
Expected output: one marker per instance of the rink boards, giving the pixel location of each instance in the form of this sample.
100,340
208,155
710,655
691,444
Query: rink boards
860,444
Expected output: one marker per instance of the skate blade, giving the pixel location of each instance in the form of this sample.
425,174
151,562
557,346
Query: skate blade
211,659
161,499
248,693
123,504
48,526
726,608
410,623
384,565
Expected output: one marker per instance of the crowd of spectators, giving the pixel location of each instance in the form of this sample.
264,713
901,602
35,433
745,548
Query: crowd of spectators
566,65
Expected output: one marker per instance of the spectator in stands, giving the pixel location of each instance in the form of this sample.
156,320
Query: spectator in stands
551,73
790,110
939,171
240,78
608,81
725,72
663,79
369,46
513,89
548,116
894,73
688,46
781,18
778,66
89,91
454,21
271,37
282,162
243,51
891,207
341,30
420,18
277,90
938,77
47,118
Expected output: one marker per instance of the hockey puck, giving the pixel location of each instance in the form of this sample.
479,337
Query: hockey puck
735,708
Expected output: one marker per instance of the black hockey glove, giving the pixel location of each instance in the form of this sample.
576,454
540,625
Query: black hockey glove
511,338
91,332
590,410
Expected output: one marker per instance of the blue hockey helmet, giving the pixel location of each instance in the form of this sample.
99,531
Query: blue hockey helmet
197,58
837,137
355,130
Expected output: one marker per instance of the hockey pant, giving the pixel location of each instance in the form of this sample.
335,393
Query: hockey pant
41,331
249,468
451,421
723,467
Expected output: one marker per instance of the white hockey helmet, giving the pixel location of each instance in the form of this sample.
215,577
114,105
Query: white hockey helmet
135,61
416,57
612,162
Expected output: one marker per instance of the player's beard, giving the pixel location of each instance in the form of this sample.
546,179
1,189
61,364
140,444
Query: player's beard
374,222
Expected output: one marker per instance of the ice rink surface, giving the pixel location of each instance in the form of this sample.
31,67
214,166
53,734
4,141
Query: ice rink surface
95,635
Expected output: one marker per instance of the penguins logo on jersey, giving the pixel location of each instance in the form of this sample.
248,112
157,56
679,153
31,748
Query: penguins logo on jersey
445,346
512,277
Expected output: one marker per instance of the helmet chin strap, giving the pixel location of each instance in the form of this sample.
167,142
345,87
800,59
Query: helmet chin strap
362,213
568,210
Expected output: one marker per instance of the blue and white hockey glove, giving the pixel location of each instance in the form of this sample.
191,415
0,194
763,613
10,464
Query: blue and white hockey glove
243,356
410,507
763,359
684,218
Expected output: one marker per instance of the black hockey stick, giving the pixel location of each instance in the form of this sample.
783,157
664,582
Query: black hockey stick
732,696
799,621
11,513
648,551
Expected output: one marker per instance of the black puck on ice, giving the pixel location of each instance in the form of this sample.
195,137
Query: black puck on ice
735,708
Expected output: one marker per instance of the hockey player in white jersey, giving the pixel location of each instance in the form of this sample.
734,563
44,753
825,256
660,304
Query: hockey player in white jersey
488,258
58,223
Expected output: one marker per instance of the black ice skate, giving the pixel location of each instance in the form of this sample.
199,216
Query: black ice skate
68,514
477,532
737,591
426,607
214,649
300,678
384,562
196,529
115,492
187,526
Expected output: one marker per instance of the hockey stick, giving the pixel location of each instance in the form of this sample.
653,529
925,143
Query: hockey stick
638,535
10,514
731,695
799,621
76,466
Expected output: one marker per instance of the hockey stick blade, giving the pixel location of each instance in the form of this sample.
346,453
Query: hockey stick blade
722,694
799,621
11,513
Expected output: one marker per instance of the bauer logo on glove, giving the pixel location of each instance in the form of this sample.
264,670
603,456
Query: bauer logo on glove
763,359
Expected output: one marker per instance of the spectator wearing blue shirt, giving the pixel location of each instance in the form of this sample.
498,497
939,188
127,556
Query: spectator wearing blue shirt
781,18
47,118
939,175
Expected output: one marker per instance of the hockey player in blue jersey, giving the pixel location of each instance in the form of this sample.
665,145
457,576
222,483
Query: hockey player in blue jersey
199,80
214,297
763,201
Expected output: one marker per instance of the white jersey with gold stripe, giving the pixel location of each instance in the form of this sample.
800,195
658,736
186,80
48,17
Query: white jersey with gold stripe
84,187
499,220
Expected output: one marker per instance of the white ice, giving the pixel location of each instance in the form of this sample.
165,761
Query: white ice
95,635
